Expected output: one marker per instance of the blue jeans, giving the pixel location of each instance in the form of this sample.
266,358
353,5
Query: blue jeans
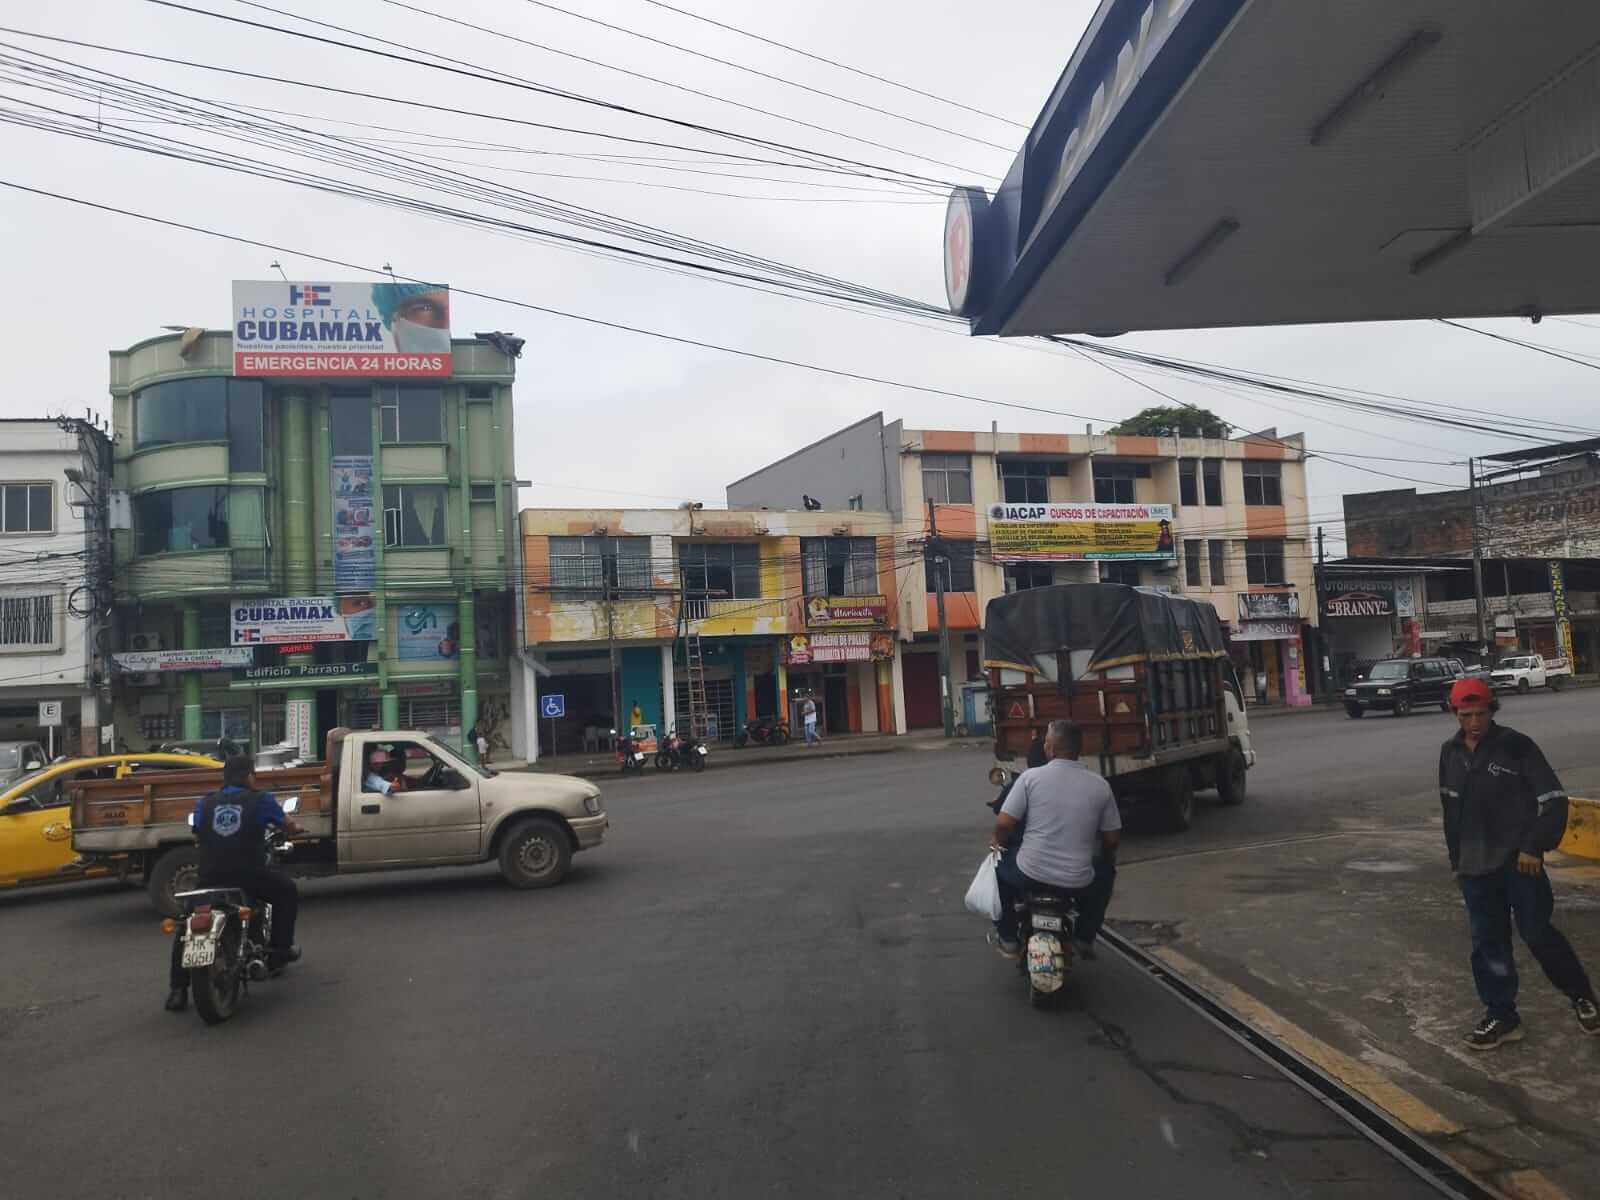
811,733
1492,902
1092,901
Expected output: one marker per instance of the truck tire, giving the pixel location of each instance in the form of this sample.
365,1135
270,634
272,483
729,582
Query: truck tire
178,870
1523,686
535,853
1402,706
1231,771
1354,711
1179,796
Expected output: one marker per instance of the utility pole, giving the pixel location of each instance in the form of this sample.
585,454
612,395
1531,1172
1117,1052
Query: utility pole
611,644
940,560
1322,640
1477,558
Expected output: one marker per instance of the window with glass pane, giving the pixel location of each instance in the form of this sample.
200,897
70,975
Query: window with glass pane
1189,482
839,566
412,412
1263,483
1263,560
1021,576
721,570
181,410
957,568
245,406
27,621
27,507
1114,483
187,518
1217,551
1120,572
947,478
414,514
591,565
1211,477
1193,553
350,415
1024,482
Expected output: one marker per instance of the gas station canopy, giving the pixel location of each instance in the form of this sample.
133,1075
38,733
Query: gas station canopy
1258,162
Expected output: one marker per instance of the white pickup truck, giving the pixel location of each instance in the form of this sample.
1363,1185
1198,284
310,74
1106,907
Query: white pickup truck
1525,672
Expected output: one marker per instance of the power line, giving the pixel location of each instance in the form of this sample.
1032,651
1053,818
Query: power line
905,87
1500,337
507,80
677,86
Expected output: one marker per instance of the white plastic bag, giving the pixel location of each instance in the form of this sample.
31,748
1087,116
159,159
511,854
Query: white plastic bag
983,897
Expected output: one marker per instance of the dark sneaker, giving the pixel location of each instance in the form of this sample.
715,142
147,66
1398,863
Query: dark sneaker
277,960
1085,951
1491,1031
1011,950
1588,1015
177,1000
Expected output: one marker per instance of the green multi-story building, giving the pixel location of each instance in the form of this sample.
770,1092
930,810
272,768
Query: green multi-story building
295,554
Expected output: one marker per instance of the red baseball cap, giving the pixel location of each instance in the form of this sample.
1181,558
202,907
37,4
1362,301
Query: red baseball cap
1469,691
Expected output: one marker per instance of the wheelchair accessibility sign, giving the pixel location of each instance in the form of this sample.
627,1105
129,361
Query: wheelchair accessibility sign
553,706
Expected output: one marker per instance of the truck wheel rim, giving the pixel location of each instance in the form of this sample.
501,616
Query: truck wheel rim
536,855
185,879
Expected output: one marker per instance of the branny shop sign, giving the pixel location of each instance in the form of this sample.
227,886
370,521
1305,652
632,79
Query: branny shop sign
390,330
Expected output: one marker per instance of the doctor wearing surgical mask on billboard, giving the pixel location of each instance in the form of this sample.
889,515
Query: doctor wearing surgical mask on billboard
418,314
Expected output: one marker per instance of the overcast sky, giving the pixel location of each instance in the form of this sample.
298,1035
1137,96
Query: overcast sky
602,412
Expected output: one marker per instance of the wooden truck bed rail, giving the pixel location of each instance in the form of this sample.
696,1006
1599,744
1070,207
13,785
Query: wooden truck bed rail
168,797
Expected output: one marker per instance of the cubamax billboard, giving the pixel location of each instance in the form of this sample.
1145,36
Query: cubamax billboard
319,330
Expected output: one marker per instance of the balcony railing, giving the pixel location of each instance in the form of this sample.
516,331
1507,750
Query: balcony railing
707,609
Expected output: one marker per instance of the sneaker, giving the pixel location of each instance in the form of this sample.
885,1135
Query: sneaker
1491,1031
1085,951
277,960
1588,1015
1011,950
178,1000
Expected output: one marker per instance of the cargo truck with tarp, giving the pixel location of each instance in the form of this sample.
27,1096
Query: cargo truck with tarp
1144,674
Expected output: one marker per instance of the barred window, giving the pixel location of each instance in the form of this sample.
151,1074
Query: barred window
27,621
590,564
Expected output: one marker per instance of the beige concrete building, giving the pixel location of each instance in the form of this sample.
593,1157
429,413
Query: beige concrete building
1236,532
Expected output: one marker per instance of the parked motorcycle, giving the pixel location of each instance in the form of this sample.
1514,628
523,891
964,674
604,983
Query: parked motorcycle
629,755
679,751
763,732
225,936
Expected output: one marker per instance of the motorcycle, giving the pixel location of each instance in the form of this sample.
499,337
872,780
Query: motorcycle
679,751
225,935
629,755
1044,923
762,732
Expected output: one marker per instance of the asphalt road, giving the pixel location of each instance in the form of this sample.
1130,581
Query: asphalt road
763,984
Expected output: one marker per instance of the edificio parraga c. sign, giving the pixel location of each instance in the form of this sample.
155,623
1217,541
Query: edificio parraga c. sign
387,330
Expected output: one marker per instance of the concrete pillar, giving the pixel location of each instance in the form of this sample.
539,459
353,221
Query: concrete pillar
191,679
388,701
897,684
467,617
783,682
299,546
669,695
389,710
883,677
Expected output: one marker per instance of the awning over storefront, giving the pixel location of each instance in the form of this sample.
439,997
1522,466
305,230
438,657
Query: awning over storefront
1240,162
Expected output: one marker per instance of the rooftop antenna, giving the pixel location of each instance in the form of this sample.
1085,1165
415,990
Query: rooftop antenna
389,271
278,267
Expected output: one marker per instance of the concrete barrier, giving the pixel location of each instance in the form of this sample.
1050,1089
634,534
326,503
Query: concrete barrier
1582,839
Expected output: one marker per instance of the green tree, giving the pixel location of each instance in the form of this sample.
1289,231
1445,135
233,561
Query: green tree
1173,421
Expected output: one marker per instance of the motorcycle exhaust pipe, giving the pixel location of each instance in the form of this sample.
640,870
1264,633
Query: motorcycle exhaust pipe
257,970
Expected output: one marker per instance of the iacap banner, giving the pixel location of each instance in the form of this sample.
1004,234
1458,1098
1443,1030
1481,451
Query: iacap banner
304,619
1080,532
389,330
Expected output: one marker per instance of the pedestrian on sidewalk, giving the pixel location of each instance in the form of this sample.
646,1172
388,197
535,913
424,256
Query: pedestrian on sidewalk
808,717
1503,809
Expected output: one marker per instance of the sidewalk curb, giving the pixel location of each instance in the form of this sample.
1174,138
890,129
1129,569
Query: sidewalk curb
736,759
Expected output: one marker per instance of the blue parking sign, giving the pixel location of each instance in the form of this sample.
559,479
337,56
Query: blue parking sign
553,706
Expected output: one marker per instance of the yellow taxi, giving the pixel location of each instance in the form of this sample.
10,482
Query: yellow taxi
35,820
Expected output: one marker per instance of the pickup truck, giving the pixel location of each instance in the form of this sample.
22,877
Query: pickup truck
447,813
1525,672
1146,676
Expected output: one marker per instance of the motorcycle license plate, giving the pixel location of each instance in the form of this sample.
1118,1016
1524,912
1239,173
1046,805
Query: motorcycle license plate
638,758
700,749
1043,921
200,953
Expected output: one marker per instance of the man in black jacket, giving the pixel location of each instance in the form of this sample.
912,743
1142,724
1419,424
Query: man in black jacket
1503,809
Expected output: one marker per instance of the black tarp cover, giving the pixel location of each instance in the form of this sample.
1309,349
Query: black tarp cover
1119,624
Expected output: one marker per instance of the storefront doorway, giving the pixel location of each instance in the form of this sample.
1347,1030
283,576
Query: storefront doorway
920,673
